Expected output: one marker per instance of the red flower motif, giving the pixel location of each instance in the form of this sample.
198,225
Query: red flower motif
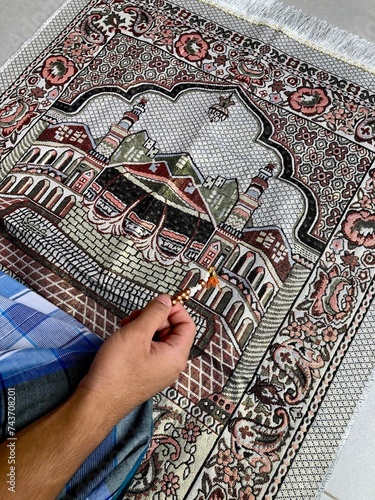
57,70
217,494
319,175
309,328
334,295
225,457
192,47
349,259
330,334
170,484
277,86
37,92
285,357
191,432
334,216
115,73
365,130
16,115
220,60
159,64
231,475
294,329
246,494
309,101
368,258
359,228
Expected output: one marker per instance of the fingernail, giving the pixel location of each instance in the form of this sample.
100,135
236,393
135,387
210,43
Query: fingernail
164,299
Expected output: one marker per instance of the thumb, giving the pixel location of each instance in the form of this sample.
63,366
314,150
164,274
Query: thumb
154,316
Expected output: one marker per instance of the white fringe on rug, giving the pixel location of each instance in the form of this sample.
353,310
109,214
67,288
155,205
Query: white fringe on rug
305,29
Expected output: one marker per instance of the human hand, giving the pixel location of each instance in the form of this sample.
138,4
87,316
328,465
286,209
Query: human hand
140,359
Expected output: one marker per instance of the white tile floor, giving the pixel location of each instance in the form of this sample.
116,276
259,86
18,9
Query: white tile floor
353,476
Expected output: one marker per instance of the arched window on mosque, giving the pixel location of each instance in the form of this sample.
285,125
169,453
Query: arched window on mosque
73,165
31,156
244,263
207,295
49,157
5,188
39,189
232,311
232,259
265,293
237,316
244,331
64,207
63,161
191,279
221,305
22,186
255,276
53,197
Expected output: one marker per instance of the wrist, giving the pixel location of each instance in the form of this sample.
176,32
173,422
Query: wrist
88,405
103,401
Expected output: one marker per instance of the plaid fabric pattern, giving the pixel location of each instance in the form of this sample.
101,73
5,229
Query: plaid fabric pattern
44,353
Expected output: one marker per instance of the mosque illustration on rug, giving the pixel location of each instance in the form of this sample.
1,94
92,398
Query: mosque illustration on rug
125,221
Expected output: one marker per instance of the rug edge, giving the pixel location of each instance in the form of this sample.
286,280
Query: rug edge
306,29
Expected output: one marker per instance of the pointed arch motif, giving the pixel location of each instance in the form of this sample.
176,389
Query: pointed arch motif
255,276
73,165
49,157
65,205
244,263
39,189
22,186
191,279
206,296
53,197
244,332
31,156
232,311
63,161
237,316
8,184
224,299
265,293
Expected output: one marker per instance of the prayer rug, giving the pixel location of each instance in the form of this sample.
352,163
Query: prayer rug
142,143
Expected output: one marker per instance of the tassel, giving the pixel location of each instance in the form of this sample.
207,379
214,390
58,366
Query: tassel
211,281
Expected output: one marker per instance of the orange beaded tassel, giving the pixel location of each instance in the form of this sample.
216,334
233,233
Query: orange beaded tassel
211,281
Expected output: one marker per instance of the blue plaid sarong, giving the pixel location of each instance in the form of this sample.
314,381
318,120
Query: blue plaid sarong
44,353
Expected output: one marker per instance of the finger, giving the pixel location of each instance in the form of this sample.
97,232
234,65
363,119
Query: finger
133,315
174,318
153,317
182,330
178,314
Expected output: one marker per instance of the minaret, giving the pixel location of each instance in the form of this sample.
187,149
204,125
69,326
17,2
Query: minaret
220,247
118,132
248,202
